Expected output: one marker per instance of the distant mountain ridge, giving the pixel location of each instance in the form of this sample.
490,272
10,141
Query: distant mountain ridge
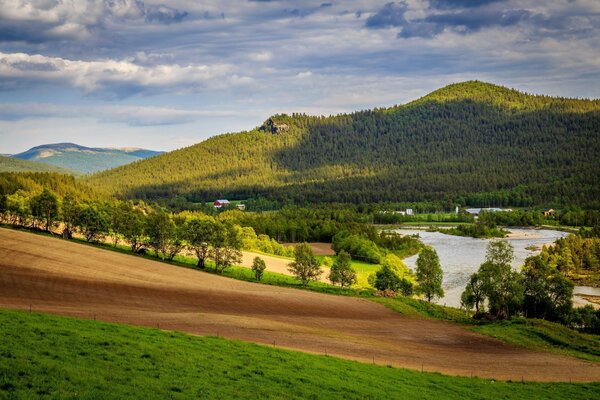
10,164
84,159
468,143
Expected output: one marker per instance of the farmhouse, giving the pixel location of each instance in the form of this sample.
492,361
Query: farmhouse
549,212
221,203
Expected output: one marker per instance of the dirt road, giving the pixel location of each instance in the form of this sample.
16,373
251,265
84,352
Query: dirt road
62,277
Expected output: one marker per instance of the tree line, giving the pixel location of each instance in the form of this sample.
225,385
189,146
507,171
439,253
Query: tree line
474,143
538,290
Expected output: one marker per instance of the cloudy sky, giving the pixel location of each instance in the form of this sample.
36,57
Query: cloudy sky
164,75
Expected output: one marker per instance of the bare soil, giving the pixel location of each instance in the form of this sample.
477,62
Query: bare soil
61,277
319,248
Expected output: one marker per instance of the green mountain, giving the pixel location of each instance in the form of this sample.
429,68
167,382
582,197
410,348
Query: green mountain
471,142
9,164
83,159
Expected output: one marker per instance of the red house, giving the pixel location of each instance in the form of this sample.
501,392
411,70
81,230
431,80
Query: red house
221,203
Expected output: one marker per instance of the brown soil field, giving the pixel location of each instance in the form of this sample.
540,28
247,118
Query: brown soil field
56,276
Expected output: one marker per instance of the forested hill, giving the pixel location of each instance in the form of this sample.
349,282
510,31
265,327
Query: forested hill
471,142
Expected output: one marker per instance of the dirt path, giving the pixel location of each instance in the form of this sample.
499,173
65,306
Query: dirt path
62,277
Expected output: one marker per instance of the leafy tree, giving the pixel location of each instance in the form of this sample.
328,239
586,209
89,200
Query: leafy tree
499,252
44,207
226,245
387,278
3,206
258,267
341,272
92,223
500,285
473,295
306,266
69,215
548,294
198,233
429,274
133,226
163,235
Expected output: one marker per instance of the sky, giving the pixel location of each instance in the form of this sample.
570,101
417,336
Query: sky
165,75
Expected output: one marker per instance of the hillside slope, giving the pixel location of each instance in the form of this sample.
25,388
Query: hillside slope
83,159
471,142
9,164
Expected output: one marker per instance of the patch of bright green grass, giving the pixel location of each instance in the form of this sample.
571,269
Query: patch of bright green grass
44,356
363,270
544,335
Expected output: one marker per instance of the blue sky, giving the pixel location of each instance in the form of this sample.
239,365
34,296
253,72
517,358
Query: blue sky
164,75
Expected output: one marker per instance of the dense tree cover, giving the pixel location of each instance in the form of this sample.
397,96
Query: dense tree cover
480,229
474,143
10,164
372,247
34,182
575,256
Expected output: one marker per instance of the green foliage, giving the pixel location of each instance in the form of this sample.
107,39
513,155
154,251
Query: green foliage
59,357
496,282
548,293
575,256
198,233
306,267
357,246
258,267
341,272
394,276
92,223
162,234
475,143
226,243
476,230
44,207
429,274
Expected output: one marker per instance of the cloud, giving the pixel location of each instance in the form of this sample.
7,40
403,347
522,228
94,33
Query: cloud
39,21
117,78
464,17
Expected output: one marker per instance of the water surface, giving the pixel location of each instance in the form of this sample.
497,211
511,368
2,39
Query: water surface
461,256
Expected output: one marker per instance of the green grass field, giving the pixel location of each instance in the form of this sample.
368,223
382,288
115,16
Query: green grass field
44,356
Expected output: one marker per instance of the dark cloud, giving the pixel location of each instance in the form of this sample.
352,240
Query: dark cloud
471,16
392,14
449,4
164,15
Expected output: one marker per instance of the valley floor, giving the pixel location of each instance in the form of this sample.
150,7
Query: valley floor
56,276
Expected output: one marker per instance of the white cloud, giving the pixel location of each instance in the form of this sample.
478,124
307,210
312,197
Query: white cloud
122,77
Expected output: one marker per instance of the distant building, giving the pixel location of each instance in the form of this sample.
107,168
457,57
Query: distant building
549,212
221,203
241,207
409,211
477,211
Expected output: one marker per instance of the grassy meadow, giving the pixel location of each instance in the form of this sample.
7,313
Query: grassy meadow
45,356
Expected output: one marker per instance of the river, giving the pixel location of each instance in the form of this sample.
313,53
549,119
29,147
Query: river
461,256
